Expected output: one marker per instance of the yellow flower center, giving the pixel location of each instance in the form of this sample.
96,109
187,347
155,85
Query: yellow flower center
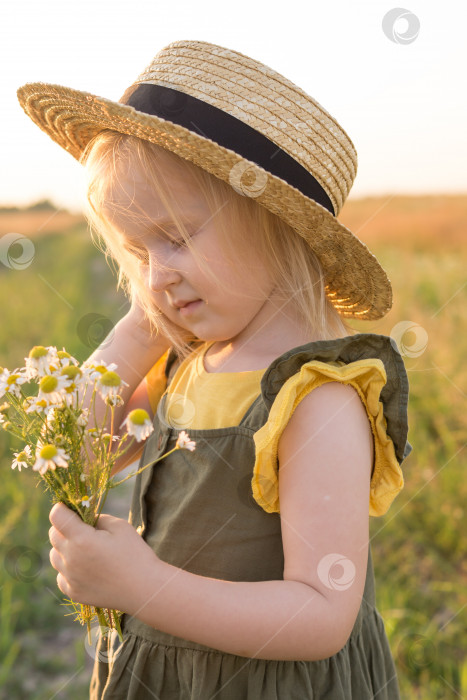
110,379
22,457
48,384
138,416
71,371
48,452
12,379
62,354
37,351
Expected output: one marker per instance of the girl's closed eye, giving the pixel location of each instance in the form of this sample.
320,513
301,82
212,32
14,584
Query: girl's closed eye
174,243
139,253
176,240
178,243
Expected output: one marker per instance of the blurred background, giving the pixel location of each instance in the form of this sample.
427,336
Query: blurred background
392,77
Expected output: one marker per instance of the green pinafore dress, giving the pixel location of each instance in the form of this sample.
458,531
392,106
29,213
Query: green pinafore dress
197,512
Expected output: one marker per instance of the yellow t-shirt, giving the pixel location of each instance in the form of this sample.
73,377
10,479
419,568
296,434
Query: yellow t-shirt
206,400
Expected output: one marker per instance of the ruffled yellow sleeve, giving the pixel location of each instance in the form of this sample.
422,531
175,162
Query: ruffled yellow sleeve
368,377
156,381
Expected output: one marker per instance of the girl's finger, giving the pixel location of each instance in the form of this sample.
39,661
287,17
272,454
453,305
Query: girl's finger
56,560
63,585
56,539
65,520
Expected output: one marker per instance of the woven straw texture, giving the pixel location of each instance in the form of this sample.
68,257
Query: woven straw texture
356,284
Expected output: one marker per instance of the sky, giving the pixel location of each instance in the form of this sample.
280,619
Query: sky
392,76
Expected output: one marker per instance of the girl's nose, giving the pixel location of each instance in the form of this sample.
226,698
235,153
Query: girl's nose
161,276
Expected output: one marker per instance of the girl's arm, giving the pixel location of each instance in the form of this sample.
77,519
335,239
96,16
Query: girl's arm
325,456
134,350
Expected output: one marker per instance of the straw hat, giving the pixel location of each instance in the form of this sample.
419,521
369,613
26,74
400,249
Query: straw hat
248,125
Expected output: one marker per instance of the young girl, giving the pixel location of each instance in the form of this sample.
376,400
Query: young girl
245,569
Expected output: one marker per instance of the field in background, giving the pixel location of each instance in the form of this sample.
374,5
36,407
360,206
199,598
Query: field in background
66,296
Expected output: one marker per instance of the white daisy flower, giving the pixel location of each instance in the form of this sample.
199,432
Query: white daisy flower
112,400
109,384
107,437
86,502
66,359
49,457
40,361
10,382
52,388
20,458
96,369
83,419
51,416
76,380
138,424
34,405
74,374
184,442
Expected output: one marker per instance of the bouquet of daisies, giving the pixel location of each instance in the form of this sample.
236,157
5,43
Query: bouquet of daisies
44,406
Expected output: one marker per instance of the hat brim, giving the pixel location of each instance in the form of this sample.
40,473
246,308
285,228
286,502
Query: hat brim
356,284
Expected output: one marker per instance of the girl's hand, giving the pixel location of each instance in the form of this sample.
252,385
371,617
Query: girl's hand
140,326
102,566
138,321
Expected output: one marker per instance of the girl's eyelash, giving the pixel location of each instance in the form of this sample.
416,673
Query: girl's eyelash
138,253
178,242
143,256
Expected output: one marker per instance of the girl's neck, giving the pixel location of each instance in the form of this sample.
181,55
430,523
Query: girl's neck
229,356
276,329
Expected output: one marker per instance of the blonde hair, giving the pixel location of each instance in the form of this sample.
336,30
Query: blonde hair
288,257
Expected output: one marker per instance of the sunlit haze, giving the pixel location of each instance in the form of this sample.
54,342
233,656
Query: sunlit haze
402,102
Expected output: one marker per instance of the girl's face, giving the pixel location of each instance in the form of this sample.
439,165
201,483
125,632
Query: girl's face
236,306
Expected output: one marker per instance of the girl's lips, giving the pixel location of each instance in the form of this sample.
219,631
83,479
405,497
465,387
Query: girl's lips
192,306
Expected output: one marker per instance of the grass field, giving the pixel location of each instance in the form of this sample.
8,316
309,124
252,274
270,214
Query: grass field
66,296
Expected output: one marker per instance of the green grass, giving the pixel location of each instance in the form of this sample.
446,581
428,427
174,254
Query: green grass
418,546
66,297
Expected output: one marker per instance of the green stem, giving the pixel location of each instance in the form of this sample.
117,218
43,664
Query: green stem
100,505
65,493
117,483
117,625
112,411
102,621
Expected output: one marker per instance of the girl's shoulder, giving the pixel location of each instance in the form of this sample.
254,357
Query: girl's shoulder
369,363
345,350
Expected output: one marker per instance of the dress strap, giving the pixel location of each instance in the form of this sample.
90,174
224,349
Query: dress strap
346,350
